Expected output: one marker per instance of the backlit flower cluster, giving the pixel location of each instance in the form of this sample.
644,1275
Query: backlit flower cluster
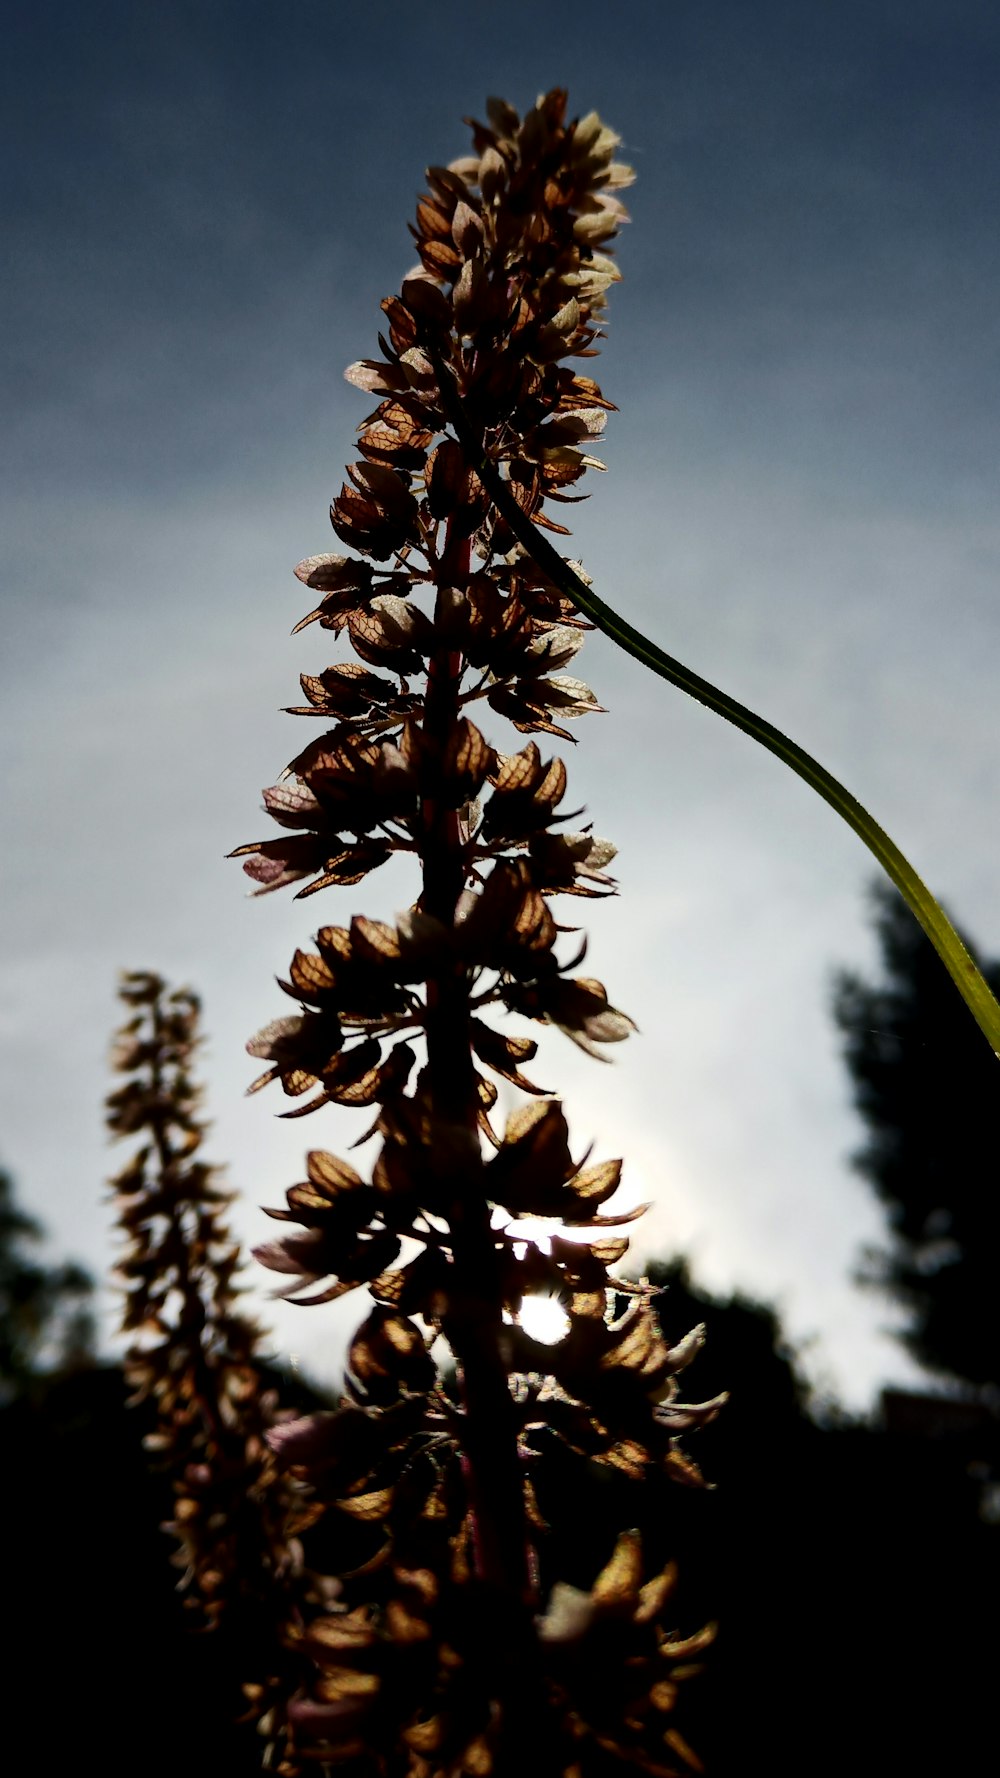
459,1641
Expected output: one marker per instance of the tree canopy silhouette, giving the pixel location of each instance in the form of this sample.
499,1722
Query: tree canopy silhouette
929,1094
44,1310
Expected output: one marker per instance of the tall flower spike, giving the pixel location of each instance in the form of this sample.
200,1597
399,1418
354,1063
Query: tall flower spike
477,1634
196,1357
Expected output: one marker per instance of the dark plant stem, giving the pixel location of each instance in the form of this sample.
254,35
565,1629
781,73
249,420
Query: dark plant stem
474,1323
194,1312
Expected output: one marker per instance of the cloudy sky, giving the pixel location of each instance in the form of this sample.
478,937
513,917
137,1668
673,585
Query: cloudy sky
206,200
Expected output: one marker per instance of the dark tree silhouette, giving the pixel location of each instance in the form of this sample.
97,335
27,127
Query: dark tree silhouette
928,1089
845,1562
45,1317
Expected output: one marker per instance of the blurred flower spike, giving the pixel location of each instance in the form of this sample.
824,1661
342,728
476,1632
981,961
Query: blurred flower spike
194,1358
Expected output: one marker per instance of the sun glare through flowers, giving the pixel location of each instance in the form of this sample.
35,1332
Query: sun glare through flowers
544,1319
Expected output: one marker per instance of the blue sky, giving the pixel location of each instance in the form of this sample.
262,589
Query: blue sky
205,204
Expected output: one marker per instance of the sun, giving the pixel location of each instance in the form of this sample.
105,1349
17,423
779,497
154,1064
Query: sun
544,1319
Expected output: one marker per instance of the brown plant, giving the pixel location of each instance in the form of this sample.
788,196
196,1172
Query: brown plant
460,1644
195,1357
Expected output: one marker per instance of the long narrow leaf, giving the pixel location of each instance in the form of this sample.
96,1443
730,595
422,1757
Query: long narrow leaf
932,917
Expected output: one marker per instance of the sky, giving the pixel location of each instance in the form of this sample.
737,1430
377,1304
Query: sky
204,204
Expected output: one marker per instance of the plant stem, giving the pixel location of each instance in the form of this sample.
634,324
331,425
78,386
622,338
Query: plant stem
474,1322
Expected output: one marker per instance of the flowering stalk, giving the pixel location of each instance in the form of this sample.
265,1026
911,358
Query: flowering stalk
464,1623
195,1356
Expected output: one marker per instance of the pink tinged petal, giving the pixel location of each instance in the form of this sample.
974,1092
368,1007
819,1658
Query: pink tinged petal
335,1721
291,803
265,870
307,1440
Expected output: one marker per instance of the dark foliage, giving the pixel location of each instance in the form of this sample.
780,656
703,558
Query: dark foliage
848,1567
45,1317
103,1672
928,1089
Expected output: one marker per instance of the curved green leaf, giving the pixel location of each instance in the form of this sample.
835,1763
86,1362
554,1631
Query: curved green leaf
932,917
